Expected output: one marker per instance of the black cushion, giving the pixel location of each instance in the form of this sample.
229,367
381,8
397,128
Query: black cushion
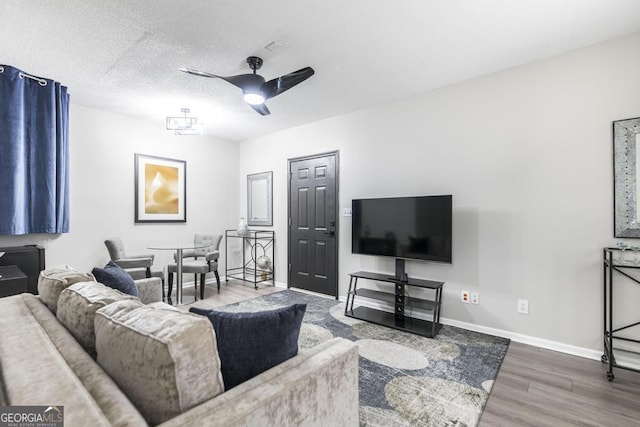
251,343
115,277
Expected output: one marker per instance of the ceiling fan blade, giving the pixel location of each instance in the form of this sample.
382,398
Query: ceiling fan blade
245,81
281,84
198,73
253,85
261,109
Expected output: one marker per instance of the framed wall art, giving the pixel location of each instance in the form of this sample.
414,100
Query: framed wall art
160,189
260,198
626,178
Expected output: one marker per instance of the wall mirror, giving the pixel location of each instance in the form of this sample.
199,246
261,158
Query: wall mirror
260,198
626,171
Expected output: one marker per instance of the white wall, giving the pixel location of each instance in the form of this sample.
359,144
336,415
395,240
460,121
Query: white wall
526,154
102,147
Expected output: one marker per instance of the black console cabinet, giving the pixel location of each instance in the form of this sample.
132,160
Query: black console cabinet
400,300
29,259
12,281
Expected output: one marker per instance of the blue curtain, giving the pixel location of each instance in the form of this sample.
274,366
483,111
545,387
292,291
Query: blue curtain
34,154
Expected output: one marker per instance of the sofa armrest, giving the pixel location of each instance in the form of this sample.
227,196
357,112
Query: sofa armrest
150,289
318,387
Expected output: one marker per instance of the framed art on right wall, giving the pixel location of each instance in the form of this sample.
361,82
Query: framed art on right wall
260,198
626,165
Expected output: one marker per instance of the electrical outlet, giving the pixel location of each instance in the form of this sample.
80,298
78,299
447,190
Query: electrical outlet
473,297
346,211
523,306
464,297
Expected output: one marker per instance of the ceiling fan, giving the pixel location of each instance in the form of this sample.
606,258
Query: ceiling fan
254,87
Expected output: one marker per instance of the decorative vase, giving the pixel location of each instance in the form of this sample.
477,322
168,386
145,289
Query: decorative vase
242,229
264,262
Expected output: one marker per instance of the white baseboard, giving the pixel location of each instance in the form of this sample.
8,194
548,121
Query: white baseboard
527,339
587,353
517,337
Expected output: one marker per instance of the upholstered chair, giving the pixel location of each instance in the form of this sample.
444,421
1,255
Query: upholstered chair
199,261
138,266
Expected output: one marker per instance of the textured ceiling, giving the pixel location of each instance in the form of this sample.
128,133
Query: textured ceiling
124,55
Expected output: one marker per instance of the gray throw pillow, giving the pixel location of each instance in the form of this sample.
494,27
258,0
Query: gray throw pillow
251,343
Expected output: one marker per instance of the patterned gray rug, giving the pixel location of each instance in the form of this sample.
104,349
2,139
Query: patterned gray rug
405,379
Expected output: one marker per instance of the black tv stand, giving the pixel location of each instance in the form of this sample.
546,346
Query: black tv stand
398,319
400,271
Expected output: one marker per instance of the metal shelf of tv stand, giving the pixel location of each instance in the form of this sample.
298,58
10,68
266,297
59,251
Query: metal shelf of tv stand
398,319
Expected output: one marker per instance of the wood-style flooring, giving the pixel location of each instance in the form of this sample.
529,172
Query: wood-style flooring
535,386
539,387
230,292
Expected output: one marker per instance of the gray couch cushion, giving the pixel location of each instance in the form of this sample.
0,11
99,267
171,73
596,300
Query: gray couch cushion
149,290
77,307
52,281
3,399
43,364
165,361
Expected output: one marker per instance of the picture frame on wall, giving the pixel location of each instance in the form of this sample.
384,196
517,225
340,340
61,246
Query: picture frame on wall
260,199
160,189
626,206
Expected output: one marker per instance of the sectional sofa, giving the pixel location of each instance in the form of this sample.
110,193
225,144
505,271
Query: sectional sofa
108,359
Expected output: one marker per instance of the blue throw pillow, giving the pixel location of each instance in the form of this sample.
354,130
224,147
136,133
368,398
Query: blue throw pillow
115,277
251,343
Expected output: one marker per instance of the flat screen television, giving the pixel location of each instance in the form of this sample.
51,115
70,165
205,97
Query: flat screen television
403,227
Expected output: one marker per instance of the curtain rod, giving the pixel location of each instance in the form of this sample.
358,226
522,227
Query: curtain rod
41,82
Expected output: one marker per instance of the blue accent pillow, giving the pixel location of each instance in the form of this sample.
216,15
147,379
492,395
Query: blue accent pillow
115,277
251,343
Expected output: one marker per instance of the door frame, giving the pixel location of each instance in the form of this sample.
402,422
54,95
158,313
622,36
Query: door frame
336,154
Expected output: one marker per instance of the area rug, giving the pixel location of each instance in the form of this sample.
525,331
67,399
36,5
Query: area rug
405,379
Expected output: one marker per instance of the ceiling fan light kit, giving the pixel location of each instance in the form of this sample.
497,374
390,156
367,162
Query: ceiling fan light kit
185,125
253,98
254,87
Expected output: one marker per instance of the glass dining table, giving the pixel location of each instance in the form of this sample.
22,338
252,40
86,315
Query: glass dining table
179,248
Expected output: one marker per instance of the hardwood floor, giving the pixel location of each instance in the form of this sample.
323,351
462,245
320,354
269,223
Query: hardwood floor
230,292
535,387
539,387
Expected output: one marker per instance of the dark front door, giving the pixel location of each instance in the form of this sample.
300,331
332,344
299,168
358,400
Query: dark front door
313,227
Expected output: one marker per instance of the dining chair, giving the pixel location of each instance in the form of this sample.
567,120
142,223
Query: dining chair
199,262
138,266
